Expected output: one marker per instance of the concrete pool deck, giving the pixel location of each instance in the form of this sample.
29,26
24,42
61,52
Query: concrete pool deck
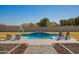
39,41
40,49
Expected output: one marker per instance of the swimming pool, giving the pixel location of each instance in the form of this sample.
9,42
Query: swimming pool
40,35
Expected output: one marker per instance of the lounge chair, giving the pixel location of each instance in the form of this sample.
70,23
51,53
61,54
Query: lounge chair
67,36
17,37
60,35
8,37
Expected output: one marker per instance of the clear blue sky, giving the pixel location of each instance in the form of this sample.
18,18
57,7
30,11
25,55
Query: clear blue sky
15,15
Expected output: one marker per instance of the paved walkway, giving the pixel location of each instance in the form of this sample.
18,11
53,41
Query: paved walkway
40,49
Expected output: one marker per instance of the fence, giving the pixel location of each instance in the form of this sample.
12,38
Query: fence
31,29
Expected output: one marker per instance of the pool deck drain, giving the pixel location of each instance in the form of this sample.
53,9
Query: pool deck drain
40,49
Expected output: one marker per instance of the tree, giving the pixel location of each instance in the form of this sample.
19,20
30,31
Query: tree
63,22
70,22
43,22
77,21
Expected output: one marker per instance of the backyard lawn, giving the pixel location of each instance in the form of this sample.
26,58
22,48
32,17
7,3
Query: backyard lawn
75,35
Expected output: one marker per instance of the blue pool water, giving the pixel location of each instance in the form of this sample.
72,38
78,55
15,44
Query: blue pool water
40,35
